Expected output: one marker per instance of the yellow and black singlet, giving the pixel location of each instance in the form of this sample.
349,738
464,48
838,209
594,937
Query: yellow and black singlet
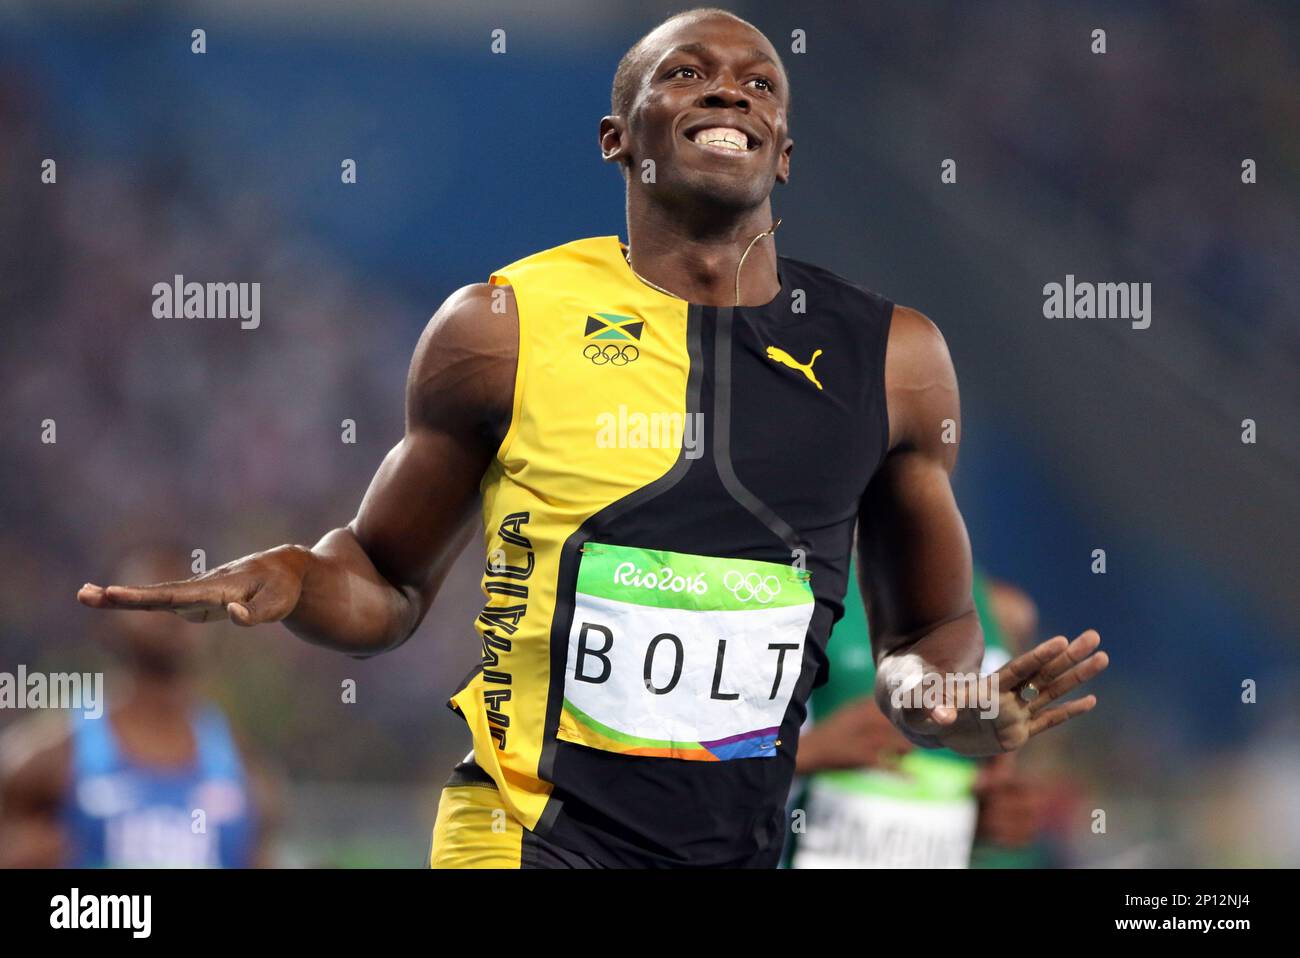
668,522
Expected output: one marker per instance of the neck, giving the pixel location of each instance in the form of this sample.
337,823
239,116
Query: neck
698,261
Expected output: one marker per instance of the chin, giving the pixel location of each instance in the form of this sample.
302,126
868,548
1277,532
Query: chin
727,191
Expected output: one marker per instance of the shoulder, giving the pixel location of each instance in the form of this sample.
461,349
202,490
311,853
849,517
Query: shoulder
475,313
916,346
479,323
920,383
465,359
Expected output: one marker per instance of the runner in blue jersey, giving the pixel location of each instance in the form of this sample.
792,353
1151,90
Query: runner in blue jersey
155,780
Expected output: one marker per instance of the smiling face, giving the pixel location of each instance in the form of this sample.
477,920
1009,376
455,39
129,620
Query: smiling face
709,105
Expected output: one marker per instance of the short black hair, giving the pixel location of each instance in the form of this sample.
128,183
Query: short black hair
626,76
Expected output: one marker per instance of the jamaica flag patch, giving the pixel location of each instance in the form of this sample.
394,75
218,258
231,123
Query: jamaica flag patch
613,326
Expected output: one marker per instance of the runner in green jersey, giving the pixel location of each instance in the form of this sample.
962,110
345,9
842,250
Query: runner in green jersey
912,807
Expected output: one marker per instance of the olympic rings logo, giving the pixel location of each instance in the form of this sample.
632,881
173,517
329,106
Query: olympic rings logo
751,585
611,354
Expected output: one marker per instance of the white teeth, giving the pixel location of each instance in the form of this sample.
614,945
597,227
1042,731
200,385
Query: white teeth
722,136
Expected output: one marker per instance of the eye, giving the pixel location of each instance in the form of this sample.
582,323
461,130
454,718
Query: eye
767,86
682,71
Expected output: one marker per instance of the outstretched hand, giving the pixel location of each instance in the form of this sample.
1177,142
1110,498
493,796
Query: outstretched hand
263,587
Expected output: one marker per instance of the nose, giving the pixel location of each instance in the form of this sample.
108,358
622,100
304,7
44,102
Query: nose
725,92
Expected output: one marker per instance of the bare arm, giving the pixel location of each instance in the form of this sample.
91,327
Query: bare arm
365,587
915,569
372,582
914,557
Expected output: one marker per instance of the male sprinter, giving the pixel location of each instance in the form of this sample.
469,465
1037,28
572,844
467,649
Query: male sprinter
122,789
656,617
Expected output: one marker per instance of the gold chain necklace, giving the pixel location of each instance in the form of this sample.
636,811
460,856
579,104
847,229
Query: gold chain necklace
627,255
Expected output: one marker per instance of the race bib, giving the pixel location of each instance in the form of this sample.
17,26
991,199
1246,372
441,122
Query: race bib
682,656
849,827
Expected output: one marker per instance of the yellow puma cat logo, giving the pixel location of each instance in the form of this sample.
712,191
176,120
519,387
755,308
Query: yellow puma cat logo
779,355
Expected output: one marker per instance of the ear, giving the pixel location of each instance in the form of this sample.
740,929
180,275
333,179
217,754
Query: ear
783,164
613,139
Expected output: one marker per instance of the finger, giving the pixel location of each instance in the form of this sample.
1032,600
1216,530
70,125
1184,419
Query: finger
264,606
200,613
1025,667
92,595
1062,713
1088,669
922,704
1076,652
112,597
929,721
170,595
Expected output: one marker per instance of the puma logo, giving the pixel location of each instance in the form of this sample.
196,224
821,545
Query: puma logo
779,355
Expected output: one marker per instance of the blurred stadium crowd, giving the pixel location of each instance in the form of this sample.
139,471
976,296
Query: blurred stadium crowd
1132,157
160,436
